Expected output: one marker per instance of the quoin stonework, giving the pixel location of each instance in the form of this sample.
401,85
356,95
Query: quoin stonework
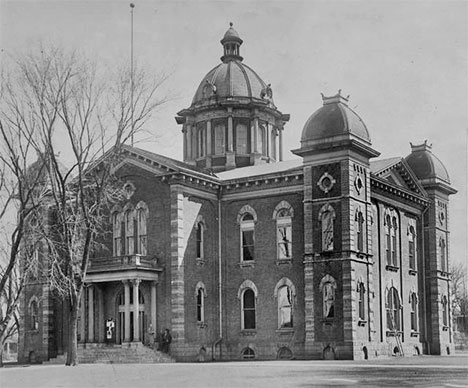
241,255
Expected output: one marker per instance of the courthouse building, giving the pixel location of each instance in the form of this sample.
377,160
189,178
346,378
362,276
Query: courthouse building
241,255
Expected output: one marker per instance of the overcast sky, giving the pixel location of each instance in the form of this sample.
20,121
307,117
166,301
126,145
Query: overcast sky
403,63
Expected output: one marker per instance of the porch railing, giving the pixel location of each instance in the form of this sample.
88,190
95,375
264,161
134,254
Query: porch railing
125,261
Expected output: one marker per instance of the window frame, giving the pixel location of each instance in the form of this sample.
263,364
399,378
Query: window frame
251,310
361,291
285,306
414,312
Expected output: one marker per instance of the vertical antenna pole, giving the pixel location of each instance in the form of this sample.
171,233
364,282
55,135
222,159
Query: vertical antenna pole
131,72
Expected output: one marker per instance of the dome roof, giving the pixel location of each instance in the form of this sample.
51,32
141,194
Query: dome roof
230,79
334,118
425,164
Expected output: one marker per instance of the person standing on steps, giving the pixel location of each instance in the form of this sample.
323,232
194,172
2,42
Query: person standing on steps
166,340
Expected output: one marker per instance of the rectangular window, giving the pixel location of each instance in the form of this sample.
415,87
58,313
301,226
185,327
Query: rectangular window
241,139
219,134
248,245
412,261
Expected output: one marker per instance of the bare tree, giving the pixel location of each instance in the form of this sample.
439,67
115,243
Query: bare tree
77,110
20,195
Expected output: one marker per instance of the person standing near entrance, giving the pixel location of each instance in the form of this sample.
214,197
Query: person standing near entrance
166,340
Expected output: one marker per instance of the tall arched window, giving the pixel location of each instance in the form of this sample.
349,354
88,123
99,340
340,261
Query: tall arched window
200,240
141,218
129,220
241,139
261,139
393,308
361,301
394,241
285,307
412,247
388,240
248,309
327,218
200,295
117,233
283,214
273,143
414,312
443,259
328,287
246,219
444,311
359,231
219,136
201,138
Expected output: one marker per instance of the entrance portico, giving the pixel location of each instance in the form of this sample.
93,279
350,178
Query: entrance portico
114,305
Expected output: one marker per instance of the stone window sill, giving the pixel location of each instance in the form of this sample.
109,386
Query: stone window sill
287,261
413,272
391,268
445,328
327,321
247,264
285,331
393,333
362,322
200,261
248,332
414,334
201,325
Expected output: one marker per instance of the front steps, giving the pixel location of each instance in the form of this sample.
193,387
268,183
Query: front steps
132,353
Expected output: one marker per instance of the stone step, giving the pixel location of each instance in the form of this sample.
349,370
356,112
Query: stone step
116,354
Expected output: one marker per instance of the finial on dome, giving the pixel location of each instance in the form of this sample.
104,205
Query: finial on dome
337,98
231,24
231,43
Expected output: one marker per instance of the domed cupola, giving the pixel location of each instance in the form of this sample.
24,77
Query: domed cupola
232,121
335,125
231,43
428,168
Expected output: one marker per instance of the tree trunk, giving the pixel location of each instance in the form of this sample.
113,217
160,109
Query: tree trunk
72,353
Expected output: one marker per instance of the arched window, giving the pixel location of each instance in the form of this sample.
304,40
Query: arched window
129,220
412,247
201,138
141,218
393,308
219,136
200,240
359,231
34,314
327,218
273,143
444,311
248,354
200,295
328,287
246,219
443,260
283,214
361,290
394,241
261,139
117,233
285,307
414,311
241,139
248,309
388,240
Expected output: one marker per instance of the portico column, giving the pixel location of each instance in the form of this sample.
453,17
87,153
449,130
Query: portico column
136,326
127,310
153,304
280,130
189,142
255,135
230,131
208,137
91,313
